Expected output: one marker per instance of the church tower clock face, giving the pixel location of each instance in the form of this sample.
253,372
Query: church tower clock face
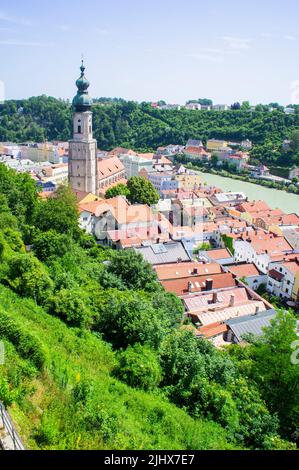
83,147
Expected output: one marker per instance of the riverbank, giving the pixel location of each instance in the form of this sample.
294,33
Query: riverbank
280,186
275,198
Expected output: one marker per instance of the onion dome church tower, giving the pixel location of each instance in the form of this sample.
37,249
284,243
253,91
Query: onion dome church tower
83,147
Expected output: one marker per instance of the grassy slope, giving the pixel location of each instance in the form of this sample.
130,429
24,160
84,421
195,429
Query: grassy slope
113,416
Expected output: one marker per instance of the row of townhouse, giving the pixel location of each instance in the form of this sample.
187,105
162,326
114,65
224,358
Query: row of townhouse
221,308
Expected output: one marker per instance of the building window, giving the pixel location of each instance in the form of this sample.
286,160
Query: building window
79,129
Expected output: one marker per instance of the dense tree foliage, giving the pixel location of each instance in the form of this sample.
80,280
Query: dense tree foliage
118,190
139,367
141,191
59,213
116,314
128,124
138,191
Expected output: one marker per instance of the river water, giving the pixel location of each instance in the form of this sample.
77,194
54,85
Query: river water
273,197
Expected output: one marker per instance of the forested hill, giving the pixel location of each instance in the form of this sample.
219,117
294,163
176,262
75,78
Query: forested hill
129,124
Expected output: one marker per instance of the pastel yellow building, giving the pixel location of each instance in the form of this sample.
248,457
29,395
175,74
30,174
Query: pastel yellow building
188,182
295,293
214,145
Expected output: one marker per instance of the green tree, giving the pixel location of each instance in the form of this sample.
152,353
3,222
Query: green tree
141,191
133,270
276,373
27,276
51,244
59,213
73,306
118,190
126,318
181,362
214,160
295,140
139,367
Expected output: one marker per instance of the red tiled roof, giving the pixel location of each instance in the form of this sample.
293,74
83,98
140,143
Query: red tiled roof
244,270
109,167
120,150
181,286
272,246
219,254
196,150
292,266
252,207
214,329
182,270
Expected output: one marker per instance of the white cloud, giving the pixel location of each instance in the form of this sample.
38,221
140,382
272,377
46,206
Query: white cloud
237,43
221,51
64,28
211,54
205,56
12,42
289,37
7,30
102,31
266,35
14,20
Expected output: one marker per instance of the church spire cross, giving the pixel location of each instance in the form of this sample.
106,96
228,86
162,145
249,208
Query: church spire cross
82,68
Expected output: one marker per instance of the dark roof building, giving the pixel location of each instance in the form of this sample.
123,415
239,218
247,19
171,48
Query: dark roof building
163,253
252,324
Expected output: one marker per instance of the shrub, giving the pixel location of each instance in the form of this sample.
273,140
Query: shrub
72,306
27,345
138,367
50,244
28,277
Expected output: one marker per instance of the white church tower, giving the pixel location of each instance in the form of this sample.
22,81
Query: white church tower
83,147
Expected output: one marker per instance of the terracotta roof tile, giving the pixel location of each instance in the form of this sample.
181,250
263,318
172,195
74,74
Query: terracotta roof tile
184,270
109,167
198,283
244,270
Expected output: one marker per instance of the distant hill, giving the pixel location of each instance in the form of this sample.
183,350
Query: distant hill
139,126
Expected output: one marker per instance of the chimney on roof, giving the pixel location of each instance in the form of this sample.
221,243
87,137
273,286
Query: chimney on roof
257,309
215,298
209,284
179,260
190,286
232,300
195,271
158,240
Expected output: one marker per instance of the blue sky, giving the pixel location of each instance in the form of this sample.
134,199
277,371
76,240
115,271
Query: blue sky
175,50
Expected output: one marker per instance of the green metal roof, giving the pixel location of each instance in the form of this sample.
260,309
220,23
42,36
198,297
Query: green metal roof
82,101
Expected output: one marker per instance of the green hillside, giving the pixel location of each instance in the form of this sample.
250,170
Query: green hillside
139,126
69,400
